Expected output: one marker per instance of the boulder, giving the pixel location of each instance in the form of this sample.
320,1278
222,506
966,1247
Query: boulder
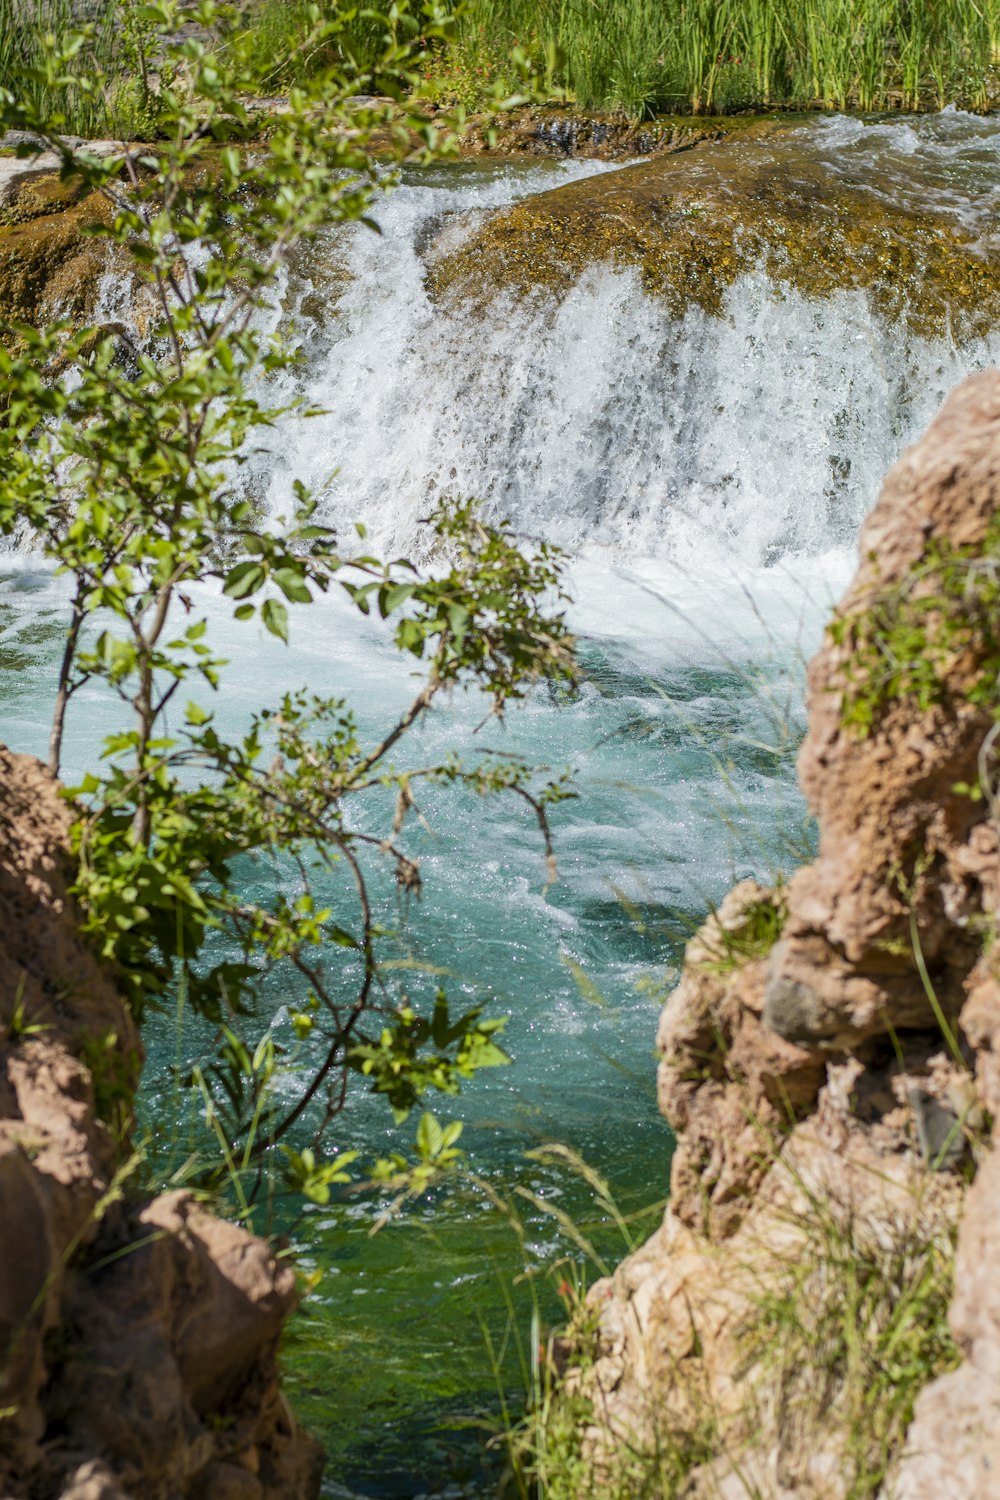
691,223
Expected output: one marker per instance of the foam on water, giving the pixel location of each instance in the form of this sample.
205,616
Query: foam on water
600,420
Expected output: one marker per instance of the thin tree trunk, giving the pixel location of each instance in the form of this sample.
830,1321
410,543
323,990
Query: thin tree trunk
64,690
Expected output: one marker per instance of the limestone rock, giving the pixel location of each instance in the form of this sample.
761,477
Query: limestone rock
138,1341
725,1082
690,224
953,1445
825,1116
894,835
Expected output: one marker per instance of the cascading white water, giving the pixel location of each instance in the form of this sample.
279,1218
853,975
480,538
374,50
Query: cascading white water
600,420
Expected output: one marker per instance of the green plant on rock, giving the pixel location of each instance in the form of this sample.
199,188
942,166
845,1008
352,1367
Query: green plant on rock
125,458
918,637
848,1328
749,937
550,1448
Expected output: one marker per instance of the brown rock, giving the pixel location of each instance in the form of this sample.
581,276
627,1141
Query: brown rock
894,835
726,1084
822,1092
679,1347
691,224
953,1445
980,1021
138,1346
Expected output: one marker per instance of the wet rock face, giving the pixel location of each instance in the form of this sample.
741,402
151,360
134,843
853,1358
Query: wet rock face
692,223
49,266
831,1057
137,1339
606,137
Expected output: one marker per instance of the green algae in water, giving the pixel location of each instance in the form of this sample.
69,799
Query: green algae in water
408,1311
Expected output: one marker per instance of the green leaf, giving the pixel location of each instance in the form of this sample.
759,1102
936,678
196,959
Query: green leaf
291,583
246,578
430,1137
275,617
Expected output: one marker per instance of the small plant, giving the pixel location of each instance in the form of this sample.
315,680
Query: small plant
550,1456
749,937
112,1079
20,1026
907,644
848,1331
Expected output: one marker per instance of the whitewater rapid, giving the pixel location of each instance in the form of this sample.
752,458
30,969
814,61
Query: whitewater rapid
598,421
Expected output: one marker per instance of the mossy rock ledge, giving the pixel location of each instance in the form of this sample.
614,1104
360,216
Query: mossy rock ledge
691,224
50,266
572,132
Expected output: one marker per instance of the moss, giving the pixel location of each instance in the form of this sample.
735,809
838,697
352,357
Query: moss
692,223
36,196
932,639
49,264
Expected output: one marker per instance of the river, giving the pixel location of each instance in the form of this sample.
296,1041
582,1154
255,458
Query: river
707,476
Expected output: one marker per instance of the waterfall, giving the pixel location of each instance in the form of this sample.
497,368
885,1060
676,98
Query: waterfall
598,420
708,475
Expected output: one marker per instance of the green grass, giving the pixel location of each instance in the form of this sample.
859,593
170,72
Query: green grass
108,53
750,937
639,57
661,56
846,1338
845,1326
268,34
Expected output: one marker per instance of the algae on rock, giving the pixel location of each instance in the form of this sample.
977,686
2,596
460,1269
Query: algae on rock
692,223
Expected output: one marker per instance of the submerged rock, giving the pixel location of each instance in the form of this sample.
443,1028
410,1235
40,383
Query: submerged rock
691,224
138,1339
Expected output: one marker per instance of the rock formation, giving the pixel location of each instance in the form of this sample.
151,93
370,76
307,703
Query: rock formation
138,1337
49,266
691,223
831,1063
